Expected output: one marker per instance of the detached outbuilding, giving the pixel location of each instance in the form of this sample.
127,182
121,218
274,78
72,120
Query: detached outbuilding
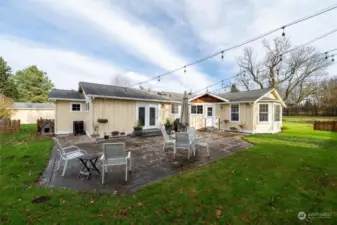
29,113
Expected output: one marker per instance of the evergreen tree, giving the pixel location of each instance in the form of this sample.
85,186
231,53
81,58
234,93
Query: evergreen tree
234,88
33,85
7,85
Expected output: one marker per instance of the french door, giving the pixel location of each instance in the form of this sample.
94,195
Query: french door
147,115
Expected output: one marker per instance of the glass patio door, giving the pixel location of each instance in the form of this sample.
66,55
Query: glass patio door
147,115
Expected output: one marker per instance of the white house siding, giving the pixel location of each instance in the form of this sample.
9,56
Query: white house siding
267,127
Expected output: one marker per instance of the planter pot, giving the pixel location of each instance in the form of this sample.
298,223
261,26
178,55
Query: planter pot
168,129
106,137
138,131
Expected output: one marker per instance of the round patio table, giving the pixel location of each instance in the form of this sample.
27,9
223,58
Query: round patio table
89,164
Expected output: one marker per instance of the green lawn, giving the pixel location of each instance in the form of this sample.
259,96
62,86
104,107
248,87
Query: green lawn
266,184
307,119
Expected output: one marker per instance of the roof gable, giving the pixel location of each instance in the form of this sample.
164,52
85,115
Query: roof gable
207,97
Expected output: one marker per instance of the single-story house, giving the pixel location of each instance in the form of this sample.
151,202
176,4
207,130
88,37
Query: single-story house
29,113
257,111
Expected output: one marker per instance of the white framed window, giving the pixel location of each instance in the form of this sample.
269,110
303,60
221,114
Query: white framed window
75,107
277,113
197,109
263,112
87,106
174,109
235,113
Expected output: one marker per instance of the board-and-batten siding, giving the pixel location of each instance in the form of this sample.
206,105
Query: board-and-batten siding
64,117
245,116
121,115
30,116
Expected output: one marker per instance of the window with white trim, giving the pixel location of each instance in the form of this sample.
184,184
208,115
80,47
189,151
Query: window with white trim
174,109
277,113
197,109
235,113
263,112
75,107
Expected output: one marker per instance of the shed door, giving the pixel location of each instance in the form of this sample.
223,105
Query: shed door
209,116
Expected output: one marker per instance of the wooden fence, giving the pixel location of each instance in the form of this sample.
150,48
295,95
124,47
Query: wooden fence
326,125
9,126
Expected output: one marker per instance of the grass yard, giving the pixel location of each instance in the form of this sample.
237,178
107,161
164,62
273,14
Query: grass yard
266,184
307,119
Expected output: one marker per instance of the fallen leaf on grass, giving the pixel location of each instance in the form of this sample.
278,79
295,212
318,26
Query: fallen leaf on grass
139,204
62,201
92,201
40,199
218,212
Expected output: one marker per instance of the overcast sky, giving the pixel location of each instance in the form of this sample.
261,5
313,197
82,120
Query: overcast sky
96,41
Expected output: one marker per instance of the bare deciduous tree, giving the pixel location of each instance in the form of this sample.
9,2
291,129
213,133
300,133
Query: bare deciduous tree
121,80
284,68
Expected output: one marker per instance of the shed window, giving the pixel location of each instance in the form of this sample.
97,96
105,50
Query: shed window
197,109
277,115
175,109
263,112
76,107
235,113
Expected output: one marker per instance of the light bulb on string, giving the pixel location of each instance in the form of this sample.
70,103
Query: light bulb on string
185,69
222,83
283,33
281,57
222,55
326,55
333,59
158,78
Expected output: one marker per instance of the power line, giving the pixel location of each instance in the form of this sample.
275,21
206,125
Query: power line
244,43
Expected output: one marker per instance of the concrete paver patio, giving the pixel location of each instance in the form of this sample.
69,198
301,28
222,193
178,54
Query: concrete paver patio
149,162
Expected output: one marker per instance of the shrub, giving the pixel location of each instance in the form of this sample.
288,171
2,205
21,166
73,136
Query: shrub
138,125
168,122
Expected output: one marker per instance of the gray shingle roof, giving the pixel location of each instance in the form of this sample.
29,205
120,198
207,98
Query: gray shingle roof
30,105
119,92
245,95
65,94
172,96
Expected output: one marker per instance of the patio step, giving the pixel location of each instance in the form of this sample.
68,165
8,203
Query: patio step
148,133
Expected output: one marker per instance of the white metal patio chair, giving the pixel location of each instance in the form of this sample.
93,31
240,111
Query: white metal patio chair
114,154
192,135
168,140
183,141
204,142
66,154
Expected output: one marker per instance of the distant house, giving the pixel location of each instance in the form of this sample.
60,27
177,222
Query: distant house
257,111
28,112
